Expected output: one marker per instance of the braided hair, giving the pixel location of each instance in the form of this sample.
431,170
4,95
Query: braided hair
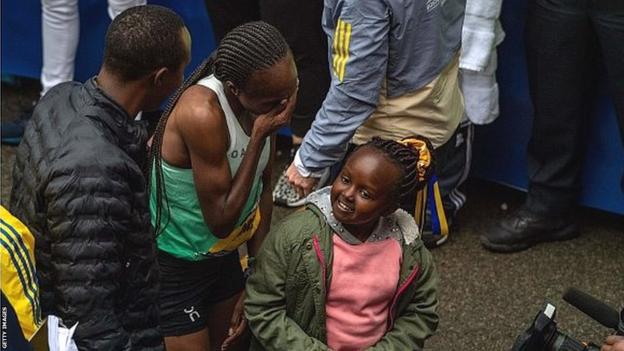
246,49
412,156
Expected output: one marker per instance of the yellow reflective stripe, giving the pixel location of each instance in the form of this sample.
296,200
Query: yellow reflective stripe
345,56
25,233
18,247
419,211
18,281
335,47
341,52
14,287
340,48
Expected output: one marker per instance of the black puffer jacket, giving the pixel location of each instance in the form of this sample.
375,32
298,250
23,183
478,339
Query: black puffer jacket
79,188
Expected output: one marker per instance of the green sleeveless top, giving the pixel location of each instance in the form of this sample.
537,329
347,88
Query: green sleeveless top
183,232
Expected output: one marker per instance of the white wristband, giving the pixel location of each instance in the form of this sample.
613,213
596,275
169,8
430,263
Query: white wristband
303,171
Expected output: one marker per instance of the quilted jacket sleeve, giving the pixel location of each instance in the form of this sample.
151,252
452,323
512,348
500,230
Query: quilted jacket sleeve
93,219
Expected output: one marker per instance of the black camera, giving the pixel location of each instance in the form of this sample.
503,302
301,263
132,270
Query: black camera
542,334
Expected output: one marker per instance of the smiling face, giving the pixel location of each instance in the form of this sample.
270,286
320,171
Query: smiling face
364,191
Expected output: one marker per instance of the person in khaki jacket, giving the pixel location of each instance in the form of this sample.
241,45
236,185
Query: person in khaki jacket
350,270
394,73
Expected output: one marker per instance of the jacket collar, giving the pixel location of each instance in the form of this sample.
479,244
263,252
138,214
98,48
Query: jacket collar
129,134
399,225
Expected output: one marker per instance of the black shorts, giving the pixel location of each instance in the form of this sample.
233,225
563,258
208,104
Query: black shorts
188,288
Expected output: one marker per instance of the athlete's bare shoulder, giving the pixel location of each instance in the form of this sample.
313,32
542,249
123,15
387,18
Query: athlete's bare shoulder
199,104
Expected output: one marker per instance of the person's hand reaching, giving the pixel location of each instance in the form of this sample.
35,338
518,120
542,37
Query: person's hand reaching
303,185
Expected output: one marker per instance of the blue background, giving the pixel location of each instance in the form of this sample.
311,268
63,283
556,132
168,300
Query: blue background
500,148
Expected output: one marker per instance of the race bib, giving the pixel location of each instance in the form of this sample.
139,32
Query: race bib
239,235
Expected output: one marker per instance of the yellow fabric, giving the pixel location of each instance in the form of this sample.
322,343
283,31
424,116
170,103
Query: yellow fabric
244,262
17,261
239,235
340,48
433,111
421,205
424,155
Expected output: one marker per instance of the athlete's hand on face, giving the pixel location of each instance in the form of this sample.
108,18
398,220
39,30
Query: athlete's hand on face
613,343
238,324
303,185
275,119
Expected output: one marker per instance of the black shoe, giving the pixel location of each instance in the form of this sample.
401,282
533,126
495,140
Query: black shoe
522,229
432,240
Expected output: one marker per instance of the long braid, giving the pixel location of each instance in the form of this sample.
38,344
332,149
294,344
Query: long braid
413,156
247,48
155,158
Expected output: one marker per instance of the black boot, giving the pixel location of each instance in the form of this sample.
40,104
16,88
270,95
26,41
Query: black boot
522,229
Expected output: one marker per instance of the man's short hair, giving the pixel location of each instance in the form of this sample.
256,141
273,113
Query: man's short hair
143,39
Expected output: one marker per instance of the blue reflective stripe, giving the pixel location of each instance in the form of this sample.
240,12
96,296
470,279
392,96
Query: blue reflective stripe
433,211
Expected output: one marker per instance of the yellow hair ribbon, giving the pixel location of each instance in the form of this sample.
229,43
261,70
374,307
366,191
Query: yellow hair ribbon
424,155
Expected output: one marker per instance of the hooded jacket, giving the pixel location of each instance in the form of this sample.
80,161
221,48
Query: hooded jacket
285,303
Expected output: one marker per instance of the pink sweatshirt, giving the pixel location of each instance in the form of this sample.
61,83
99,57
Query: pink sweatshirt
364,281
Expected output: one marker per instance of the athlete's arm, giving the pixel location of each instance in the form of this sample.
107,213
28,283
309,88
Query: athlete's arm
203,129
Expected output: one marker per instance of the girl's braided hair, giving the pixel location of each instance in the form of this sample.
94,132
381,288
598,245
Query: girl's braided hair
246,49
413,156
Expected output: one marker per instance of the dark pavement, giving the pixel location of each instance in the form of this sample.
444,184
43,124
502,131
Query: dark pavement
486,299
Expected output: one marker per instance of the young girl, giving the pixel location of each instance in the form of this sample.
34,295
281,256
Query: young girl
210,185
349,272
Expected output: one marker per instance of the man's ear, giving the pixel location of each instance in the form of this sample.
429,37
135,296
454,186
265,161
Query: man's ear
159,76
232,88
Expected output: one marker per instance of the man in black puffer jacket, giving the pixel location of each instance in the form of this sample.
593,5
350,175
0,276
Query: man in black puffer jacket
79,186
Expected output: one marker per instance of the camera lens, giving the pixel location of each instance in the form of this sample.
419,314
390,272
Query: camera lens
566,343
